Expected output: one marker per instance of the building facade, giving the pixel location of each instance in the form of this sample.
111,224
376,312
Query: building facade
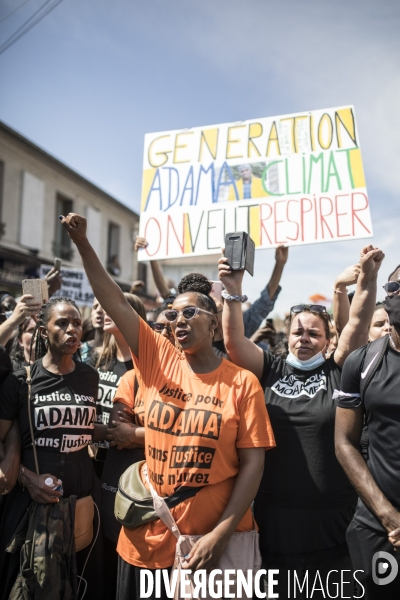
35,188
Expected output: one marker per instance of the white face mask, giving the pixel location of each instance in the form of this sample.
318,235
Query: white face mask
305,365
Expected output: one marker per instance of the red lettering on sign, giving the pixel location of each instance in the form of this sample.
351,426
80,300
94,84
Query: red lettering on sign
302,213
147,236
355,210
338,214
170,224
294,239
262,219
322,215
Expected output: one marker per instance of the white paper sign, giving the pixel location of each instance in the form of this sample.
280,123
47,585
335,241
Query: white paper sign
75,285
294,179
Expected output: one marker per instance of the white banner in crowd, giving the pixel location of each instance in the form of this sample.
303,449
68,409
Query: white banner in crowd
294,179
75,285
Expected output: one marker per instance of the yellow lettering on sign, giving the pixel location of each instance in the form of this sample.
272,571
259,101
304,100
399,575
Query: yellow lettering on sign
147,180
209,137
180,148
156,153
312,133
345,118
255,131
357,169
230,142
273,141
325,132
186,236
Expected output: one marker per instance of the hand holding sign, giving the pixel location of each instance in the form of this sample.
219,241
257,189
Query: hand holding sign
140,242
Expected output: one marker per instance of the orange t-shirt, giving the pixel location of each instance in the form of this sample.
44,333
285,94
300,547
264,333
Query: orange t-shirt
194,425
125,394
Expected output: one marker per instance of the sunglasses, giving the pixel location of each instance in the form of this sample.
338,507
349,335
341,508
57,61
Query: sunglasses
159,327
188,313
316,308
391,287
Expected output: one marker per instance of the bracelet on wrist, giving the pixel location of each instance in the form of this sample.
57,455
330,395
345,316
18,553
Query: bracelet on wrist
228,297
339,291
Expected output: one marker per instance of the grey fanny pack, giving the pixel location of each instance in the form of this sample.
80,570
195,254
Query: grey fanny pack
134,503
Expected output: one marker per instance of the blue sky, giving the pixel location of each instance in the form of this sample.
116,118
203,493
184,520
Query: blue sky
93,77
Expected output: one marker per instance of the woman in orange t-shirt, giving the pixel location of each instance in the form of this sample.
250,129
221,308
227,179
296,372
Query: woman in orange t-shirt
205,419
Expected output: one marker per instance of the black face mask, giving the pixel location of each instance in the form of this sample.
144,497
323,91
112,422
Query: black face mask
392,307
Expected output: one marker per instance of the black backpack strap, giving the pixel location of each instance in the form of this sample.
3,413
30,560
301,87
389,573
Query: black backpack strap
183,493
29,384
372,360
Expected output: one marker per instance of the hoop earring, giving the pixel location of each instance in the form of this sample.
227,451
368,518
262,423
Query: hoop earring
212,332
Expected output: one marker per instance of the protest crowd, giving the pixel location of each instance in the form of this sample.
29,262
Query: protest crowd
273,450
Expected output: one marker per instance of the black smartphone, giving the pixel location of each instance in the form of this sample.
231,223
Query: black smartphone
239,250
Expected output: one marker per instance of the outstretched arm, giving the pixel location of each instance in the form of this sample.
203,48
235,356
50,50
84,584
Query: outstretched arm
341,304
240,349
159,279
108,293
261,308
26,307
355,333
281,256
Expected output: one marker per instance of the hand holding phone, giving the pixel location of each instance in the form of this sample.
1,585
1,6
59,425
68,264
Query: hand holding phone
27,306
37,288
239,250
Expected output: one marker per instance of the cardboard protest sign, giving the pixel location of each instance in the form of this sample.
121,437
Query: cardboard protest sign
294,179
75,285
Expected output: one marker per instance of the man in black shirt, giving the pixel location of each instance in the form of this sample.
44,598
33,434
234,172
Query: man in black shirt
374,534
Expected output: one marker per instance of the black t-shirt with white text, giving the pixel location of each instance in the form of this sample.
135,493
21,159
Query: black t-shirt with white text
381,406
62,407
302,471
109,378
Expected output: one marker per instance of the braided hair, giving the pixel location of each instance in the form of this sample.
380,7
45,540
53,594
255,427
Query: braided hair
37,340
201,286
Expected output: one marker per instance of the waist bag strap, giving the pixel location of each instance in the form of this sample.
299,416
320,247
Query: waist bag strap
161,508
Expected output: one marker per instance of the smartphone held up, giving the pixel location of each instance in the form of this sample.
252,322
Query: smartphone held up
239,250
37,288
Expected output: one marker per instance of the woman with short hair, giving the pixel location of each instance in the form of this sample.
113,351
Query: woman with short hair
305,501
